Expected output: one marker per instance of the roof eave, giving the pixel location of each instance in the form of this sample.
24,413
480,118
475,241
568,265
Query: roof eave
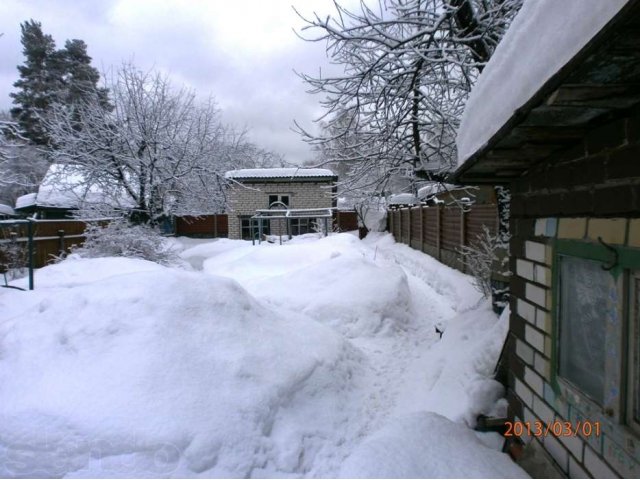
491,165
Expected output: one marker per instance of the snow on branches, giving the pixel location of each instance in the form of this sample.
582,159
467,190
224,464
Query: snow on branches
408,68
159,148
118,238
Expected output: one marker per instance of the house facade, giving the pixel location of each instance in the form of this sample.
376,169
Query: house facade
570,153
252,190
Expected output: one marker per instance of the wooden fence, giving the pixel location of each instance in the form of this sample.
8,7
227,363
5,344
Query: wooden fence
442,231
204,226
216,226
50,238
345,220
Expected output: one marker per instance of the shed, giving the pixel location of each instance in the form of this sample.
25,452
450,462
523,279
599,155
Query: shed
6,212
64,189
555,116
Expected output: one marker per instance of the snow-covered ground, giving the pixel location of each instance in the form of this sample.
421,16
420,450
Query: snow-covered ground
317,358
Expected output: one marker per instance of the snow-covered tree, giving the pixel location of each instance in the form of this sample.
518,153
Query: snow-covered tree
48,76
22,165
409,66
159,150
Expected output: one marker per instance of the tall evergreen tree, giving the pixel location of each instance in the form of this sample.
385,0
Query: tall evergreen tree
79,78
49,76
38,82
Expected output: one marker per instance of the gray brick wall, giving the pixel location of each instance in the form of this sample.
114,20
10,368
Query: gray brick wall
588,192
245,200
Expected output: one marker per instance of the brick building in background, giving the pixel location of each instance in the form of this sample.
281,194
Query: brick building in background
568,147
277,188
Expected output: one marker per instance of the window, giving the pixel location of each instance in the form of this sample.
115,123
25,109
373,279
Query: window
584,304
598,332
249,228
300,226
279,201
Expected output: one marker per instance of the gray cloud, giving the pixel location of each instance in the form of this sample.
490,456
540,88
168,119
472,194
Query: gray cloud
243,53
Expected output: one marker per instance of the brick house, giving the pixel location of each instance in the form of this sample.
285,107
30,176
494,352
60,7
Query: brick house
570,153
277,188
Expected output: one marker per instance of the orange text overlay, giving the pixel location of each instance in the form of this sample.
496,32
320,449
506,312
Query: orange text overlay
556,428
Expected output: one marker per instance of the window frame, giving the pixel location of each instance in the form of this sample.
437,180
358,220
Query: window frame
266,226
633,356
279,199
618,368
301,225
565,338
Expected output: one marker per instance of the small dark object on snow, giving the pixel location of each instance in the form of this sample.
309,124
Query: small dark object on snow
4,269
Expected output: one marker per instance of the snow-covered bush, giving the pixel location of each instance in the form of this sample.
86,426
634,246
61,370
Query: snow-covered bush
372,213
119,238
13,254
486,255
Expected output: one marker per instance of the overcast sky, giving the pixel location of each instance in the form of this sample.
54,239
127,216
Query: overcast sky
243,52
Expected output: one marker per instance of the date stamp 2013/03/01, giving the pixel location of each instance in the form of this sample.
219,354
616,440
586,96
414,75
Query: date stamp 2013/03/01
556,428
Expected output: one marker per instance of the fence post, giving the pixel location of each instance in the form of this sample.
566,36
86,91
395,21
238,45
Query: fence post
438,230
421,228
395,233
393,223
61,249
400,222
215,226
463,236
30,251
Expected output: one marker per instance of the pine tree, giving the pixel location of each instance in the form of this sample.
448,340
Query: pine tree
38,82
48,76
79,78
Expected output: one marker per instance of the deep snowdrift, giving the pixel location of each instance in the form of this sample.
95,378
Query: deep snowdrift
426,445
334,280
179,372
306,359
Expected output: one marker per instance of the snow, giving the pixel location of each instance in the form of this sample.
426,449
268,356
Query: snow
427,191
278,173
421,445
26,200
345,204
403,199
543,37
317,358
68,186
6,210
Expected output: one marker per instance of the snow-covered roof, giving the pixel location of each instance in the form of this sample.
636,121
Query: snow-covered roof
279,173
345,203
68,186
403,199
27,200
6,210
435,188
543,37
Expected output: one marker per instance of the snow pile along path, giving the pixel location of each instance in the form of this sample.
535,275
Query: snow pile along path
316,358
159,365
426,445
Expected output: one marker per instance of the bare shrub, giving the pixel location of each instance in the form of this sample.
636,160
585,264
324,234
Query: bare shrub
120,238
